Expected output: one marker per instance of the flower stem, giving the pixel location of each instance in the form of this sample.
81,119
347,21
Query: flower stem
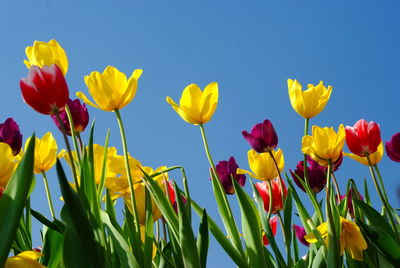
49,200
381,181
336,187
280,178
270,200
68,148
73,132
128,171
285,240
203,135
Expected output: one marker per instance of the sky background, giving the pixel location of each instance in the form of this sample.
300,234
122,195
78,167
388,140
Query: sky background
250,48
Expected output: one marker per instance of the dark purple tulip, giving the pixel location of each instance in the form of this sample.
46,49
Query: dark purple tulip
262,138
300,233
316,175
79,114
350,202
227,169
10,134
337,163
393,147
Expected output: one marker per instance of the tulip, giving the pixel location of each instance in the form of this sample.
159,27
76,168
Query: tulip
226,170
300,233
7,164
310,102
45,89
26,259
262,165
172,195
196,106
375,158
45,152
262,138
273,224
111,89
263,189
80,117
316,175
45,54
350,240
1,191
10,134
364,138
393,147
324,145
350,201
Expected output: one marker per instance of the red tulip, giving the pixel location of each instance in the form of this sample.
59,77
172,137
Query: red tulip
364,138
272,223
263,189
45,89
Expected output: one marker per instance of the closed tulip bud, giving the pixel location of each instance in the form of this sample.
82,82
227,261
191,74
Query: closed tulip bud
363,138
10,134
80,117
262,138
273,222
263,189
316,175
45,89
196,106
393,147
300,233
172,195
226,170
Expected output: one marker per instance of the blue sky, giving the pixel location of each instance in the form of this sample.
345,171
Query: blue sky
250,48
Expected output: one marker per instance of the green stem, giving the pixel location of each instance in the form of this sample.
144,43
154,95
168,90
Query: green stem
306,123
336,187
270,200
49,200
57,114
280,178
381,181
80,141
286,241
73,132
331,224
385,204
203,135
128,171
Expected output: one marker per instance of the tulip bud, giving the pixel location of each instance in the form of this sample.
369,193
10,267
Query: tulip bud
226,170
316,175
300,233
263,189
363,138
273,224
10,134
393,147
80,117
45,89
172,195
262,138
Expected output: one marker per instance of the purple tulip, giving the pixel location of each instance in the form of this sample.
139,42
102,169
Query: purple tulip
316,175
350,202
80,116
300,233
10,134
393,147
226,170
262,138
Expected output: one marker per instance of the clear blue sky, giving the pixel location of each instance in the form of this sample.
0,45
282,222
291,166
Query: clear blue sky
249,47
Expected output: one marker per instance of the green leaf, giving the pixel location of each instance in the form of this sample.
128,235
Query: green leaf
251,227
13,200
52,250
203,240
148,232
56,225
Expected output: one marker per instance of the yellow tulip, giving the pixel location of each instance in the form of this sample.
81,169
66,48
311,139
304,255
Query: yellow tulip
196,106
374,157
45,152
7,164
111,89
310,102
26,259
42,53
351,238
324,144
262,165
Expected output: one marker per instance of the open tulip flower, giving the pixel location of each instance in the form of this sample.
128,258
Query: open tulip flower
310,102
7,164
324,144
45,152
45,89
363,138
262,138
393,147
45,54
262,165
196,106
80,117
263,189
10,134
351,238
111,89
375,157
226,170
316,175
273,223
